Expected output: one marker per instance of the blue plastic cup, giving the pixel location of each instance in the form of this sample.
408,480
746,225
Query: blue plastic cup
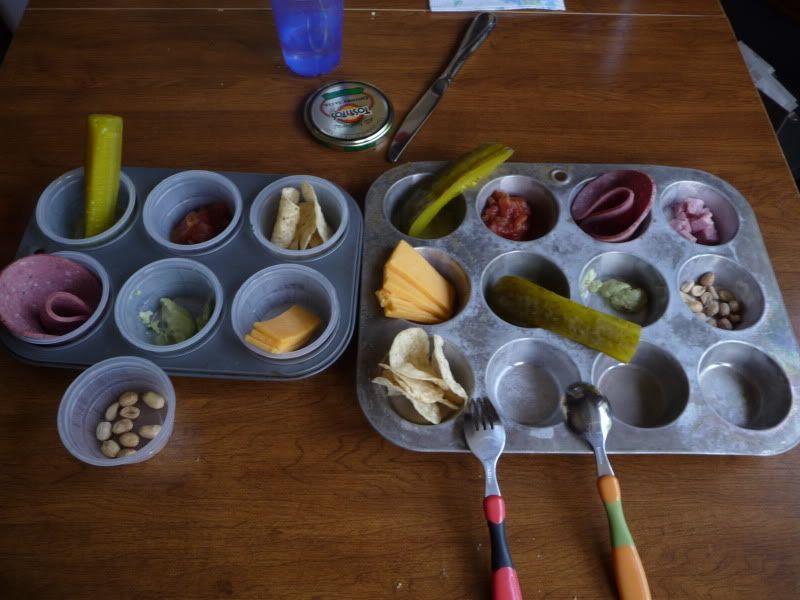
310,33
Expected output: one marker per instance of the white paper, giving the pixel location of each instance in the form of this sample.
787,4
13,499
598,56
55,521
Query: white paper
492,5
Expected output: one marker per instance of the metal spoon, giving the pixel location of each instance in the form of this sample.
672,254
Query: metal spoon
588,414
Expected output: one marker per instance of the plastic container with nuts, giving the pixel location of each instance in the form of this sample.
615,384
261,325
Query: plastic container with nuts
95,420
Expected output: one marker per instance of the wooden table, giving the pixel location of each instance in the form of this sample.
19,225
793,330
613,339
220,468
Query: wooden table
284,490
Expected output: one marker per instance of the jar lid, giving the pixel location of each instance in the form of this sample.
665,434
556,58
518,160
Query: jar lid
351,115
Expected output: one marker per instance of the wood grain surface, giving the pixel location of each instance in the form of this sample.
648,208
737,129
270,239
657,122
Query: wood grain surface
283,490
642,7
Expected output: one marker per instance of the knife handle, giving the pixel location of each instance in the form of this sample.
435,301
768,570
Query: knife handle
477,32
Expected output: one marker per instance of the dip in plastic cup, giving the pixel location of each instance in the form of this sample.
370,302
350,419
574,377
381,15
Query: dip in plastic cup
176,196
310,33
188,283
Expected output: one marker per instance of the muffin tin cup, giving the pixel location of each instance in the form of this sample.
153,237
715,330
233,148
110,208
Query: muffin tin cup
265,209
219,353
60,212
661,399
270,292
189,284
85,328
178,195
86,399
526,379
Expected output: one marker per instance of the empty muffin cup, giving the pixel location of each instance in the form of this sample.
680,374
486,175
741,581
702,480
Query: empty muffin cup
543,206
204,193
272,291
397,205
525,380
60,211
89,324
264,212
155,327
650,391
84,404
634,271
744,386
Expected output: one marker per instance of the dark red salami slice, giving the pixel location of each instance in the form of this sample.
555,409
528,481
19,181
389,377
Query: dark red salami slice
612,206
26,285
62,312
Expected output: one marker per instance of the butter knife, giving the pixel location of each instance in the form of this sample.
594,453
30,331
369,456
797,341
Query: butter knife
480,28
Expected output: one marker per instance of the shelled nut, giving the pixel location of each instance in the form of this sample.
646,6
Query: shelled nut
103,431
149,432
129,439
129,412
126,452
128,399
153,400
111,411
110,448
707,279
122,426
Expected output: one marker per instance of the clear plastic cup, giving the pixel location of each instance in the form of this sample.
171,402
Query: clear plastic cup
310,33
86,399
273,290
187,282
178,195
84,328
264,211
60,211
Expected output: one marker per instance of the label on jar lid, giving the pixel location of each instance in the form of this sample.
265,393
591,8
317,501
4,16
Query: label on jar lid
349,114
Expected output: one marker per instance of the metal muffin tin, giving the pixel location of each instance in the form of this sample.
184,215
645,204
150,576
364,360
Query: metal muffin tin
221,355
691,388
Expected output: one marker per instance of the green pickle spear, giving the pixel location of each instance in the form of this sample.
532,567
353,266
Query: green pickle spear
431,196
524,303
103,160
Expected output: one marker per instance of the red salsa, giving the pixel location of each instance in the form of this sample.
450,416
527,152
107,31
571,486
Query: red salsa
201,224
508,216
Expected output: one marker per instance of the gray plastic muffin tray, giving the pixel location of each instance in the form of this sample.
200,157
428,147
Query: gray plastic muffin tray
220,354
691,388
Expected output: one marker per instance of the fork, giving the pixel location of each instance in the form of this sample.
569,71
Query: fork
486,438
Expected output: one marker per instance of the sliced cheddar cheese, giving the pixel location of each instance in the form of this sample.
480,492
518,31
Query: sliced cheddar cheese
285,333
413,289
409,301
412,268
416,316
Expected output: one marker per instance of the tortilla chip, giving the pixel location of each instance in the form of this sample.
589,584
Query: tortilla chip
320,225
444,369
305,226
283,232
432,413
424,391
410,354
390,385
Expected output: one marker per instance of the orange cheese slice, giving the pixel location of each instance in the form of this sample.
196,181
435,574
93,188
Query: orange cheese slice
410,267
410,301
285,333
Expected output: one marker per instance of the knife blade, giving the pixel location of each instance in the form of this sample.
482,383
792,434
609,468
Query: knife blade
477,32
